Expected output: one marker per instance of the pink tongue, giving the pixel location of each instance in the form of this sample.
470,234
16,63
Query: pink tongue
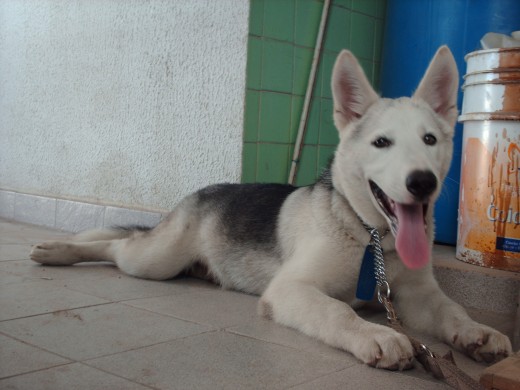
411,241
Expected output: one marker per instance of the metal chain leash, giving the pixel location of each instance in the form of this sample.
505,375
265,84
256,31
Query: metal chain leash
379,266
442,368
383,288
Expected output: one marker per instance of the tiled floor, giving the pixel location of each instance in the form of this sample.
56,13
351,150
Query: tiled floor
92,327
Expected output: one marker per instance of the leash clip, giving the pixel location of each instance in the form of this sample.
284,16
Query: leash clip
426,350
383,294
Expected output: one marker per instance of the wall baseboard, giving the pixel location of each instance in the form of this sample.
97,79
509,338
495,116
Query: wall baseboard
69,215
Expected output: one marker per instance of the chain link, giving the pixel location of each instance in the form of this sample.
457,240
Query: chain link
383,288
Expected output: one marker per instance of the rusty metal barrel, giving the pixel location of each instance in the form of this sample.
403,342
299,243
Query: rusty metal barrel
489,199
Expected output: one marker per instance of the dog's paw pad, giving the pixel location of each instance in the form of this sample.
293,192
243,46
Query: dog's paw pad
483,343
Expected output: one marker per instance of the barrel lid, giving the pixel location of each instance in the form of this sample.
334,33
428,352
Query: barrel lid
490,51
486,116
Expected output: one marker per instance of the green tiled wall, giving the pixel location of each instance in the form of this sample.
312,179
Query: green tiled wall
282,34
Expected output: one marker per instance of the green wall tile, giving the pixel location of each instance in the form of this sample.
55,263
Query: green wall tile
308,16
275,117
378,39
279,19
328,59
277,72
343,3
377,80
249,156
302,67
362,32
252,115
381,9
313,123
306,173
368,68
328,132
313,120
369,7
256,17
338,29
296,112
316,91
254,63
273,163
324,155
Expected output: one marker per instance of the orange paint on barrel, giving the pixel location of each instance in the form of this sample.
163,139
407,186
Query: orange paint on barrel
489,207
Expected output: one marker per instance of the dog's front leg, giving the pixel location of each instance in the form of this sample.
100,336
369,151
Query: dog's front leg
303,306
422,305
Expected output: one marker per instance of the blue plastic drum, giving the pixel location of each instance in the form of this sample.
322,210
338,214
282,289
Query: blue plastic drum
414,30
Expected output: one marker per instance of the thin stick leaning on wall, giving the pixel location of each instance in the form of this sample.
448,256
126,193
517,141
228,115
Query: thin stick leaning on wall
310,86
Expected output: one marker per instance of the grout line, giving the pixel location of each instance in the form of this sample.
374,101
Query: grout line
326,375
85,361
117,375
56,311
38,370
37,347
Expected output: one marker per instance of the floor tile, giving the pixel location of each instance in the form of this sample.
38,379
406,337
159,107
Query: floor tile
72,376
17,358
21,233
14,252
120,287
97,331
217,308
362,377
218,361
29,268
268,331
9,273
32,298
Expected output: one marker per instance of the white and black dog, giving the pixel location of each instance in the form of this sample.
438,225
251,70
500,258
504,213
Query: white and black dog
301,248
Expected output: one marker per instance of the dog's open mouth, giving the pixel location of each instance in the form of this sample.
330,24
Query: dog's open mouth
408,224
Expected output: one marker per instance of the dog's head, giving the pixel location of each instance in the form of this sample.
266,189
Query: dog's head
394,153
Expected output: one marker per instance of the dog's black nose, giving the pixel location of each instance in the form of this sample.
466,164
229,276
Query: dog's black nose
421,184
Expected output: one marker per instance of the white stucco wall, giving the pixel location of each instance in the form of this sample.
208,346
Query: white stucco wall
126,102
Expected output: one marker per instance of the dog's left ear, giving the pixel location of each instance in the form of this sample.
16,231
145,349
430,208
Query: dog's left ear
440,85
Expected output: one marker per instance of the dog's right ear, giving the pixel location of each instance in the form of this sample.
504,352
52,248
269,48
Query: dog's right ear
351,90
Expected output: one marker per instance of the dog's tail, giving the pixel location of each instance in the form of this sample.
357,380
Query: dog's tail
114,233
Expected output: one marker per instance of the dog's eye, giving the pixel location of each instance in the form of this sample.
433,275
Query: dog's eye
382,142
429,139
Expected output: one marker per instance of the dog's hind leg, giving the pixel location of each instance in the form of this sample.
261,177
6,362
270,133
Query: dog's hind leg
72,252
69,251
158,254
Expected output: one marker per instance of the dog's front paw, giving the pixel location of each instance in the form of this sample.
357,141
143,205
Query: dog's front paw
482,343
383,347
